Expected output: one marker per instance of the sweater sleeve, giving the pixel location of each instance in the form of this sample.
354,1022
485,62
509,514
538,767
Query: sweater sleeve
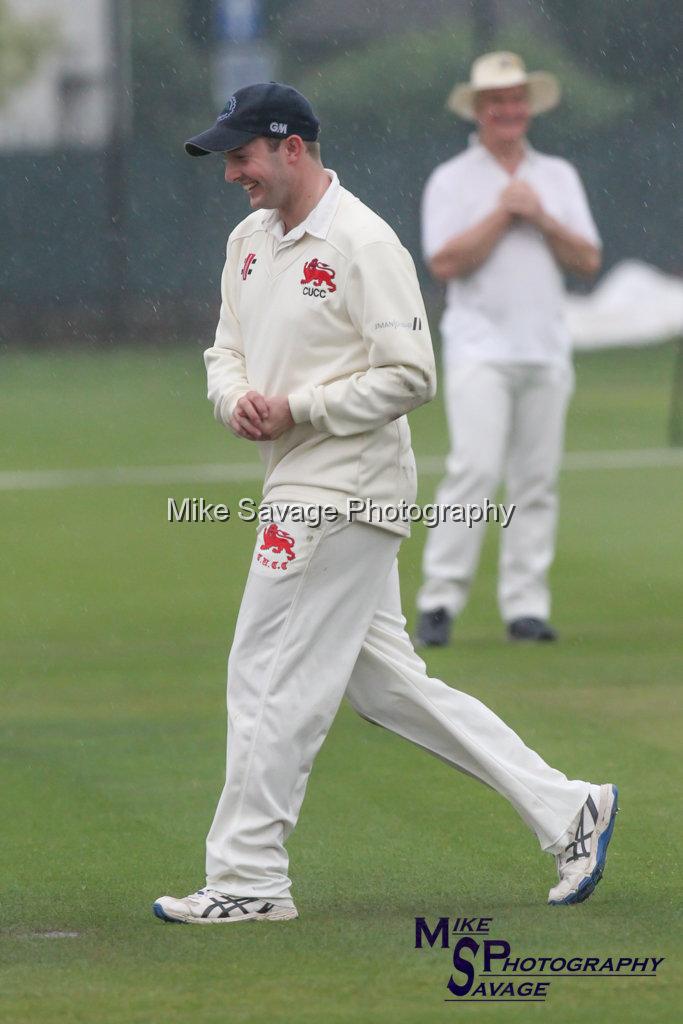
384,304
225,363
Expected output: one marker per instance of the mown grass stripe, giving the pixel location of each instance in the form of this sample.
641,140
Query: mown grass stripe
115,476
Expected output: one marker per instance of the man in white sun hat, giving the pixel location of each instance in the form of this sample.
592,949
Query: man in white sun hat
500,224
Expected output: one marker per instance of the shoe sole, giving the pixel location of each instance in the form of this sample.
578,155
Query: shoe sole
277,914
587,886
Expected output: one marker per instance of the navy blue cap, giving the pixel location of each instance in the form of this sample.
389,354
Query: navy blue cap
268,110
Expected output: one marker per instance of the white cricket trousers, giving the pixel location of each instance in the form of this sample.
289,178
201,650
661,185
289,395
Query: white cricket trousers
506,423
326,626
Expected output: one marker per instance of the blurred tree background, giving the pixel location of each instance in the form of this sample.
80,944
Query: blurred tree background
636,43
379,78
21,47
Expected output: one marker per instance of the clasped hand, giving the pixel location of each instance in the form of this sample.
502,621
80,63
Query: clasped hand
257,418
519,199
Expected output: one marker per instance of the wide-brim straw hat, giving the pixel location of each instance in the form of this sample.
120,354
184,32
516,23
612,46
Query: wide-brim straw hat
502,70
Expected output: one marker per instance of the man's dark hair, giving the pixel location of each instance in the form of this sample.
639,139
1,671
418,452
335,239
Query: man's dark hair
313,148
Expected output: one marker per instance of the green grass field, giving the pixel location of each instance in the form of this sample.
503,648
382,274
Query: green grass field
115,631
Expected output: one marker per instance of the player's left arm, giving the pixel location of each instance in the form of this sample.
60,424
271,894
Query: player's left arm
383,301
573,252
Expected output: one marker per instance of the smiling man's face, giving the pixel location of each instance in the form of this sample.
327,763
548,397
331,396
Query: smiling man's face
261,172
503,114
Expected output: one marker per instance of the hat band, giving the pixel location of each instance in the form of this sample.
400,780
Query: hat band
501,82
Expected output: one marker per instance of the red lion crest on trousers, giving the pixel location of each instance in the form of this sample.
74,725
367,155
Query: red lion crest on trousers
278,541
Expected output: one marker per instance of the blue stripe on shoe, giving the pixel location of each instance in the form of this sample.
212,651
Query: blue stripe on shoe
603,841
159,912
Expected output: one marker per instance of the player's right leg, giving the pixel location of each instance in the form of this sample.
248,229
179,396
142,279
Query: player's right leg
478,404
301,625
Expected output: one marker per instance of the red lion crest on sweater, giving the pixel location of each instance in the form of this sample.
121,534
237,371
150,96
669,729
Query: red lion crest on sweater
318,274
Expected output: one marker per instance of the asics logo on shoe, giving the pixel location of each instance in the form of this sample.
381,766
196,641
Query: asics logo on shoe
578,848
229,906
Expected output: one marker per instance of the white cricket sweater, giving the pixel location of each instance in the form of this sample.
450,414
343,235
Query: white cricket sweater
335,321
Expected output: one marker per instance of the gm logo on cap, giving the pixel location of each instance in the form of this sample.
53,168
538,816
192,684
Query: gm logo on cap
279,127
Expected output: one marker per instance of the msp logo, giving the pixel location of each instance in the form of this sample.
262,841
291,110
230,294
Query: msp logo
485,969
277,540
247,266
317,274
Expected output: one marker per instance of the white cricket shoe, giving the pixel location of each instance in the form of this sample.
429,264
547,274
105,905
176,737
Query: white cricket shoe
581,863
208,906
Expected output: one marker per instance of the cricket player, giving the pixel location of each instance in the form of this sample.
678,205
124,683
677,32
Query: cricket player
500,224
322,348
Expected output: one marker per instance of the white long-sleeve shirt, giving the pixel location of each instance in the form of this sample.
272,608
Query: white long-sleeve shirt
330,315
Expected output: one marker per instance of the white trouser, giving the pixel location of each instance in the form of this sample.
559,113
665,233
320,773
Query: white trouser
506,422
330,624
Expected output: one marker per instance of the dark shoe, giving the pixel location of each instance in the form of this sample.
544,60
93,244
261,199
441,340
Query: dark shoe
433,628
531,629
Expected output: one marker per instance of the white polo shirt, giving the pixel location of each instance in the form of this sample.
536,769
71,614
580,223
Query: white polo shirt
511,308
